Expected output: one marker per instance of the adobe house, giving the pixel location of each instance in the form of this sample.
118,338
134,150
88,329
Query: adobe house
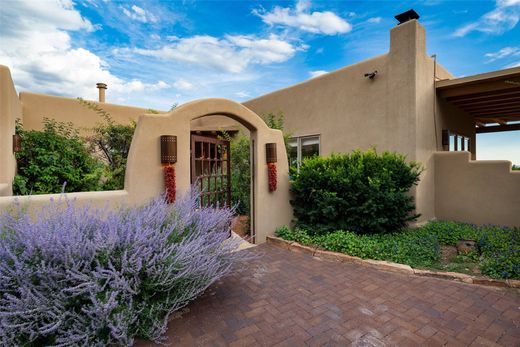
401,101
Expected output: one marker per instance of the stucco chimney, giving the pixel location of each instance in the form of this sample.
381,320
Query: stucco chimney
102,87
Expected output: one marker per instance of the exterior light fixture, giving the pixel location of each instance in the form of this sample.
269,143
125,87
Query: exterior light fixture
168,149
270,153
17,143
406,16
371,75
445,139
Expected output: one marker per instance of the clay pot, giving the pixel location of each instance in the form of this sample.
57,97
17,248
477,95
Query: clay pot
240,225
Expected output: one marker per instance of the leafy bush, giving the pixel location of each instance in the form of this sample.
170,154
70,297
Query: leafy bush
52,157
364,192
111,141
81,276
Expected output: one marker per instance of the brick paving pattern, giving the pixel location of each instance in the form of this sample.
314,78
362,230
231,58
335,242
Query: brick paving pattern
291,299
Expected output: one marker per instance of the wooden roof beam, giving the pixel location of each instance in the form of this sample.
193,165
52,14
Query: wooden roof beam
498,128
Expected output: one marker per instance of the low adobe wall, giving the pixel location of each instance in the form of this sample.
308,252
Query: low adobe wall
479,192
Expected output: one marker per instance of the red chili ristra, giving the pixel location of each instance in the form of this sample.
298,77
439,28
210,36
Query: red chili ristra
169,183
271,167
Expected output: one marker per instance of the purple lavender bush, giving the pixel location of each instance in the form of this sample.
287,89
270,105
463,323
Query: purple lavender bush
82,276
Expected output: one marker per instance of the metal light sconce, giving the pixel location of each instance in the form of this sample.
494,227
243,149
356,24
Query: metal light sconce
445,139
17,143
270,153
168,149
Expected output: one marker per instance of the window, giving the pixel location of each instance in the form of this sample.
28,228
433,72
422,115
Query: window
303,147
455,142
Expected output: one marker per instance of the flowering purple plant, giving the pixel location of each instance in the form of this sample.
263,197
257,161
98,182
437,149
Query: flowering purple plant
83,276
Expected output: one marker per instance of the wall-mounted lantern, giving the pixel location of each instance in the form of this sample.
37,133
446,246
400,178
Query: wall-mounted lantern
168,149
270,153
445,139
17,143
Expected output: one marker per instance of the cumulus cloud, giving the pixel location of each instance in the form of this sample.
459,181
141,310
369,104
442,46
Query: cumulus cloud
317,73
302,18
233,53
503,17
36,46
139,14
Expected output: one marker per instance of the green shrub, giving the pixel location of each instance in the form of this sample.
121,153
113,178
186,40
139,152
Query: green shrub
111,142
53,160
500,248
364,192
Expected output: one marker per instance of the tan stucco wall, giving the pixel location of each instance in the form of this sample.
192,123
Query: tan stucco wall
39,106
144,175
10,110
480,192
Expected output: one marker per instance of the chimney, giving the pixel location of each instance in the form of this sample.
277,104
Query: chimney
406,16
102,87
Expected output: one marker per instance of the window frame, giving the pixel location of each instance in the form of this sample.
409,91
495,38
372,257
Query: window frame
299,147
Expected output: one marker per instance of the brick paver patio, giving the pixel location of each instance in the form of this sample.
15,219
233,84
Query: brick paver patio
290,299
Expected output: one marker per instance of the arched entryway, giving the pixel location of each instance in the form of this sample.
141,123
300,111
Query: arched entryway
144,175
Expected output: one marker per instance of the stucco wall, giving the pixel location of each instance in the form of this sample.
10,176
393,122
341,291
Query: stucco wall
480,192
39,106
10,110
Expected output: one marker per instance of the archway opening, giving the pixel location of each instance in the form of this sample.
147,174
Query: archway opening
222,153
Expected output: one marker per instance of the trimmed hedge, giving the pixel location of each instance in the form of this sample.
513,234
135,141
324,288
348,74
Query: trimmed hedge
364,192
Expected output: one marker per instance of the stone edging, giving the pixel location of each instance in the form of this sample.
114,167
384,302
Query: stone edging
389,266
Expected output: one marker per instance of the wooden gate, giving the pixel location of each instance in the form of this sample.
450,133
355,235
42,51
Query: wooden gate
211,170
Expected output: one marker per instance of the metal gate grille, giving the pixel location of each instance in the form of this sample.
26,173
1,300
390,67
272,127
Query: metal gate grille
211,170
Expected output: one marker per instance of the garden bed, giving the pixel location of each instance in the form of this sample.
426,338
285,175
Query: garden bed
497,252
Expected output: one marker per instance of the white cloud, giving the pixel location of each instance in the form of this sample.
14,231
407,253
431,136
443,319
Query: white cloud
139,14
36,46
503,53
317,73
502,18
183,85
302,18
242,94
517,64
374,20
233,53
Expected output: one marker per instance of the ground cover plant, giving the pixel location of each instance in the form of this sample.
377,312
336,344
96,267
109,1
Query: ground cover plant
497,255
80,276
364,192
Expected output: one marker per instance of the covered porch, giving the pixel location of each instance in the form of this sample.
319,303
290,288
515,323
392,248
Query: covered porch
491,100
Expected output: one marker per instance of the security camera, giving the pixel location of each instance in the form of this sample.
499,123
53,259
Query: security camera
371,75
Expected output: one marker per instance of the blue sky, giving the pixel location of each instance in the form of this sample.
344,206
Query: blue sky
155,53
